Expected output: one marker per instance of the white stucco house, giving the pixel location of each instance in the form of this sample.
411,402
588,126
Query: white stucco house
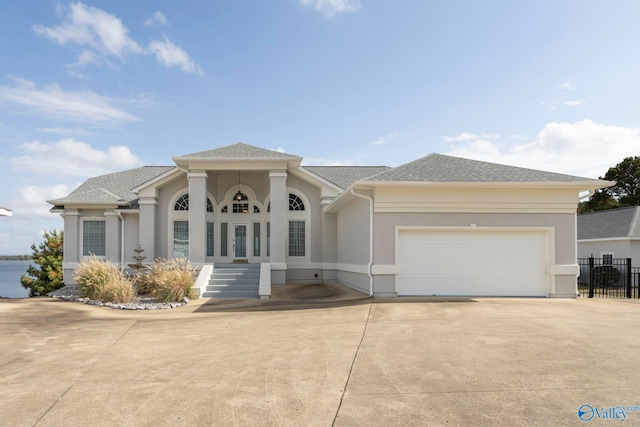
439,225
613,233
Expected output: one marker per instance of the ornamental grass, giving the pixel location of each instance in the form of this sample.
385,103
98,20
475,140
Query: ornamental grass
102,280
170,280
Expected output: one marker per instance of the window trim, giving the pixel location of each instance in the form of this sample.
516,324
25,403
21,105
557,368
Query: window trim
87,219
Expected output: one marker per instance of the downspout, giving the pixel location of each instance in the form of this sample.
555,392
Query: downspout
370,199
121,217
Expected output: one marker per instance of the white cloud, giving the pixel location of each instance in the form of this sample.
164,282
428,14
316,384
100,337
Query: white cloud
72,158
30,200
157,18
331,8
54,102
169,54
89,26
469,137
67,131
384,139
575,103
582,148
103,36
279,150
568,84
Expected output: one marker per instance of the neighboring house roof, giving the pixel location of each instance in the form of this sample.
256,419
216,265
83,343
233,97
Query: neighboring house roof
114,188
5,212
441,168
239,151
344,176
623,222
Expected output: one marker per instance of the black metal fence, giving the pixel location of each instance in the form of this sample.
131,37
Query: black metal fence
608,278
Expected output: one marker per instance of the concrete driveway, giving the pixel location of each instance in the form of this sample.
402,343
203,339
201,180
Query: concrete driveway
348,362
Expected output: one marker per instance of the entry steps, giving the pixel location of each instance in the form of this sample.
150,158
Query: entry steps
234,281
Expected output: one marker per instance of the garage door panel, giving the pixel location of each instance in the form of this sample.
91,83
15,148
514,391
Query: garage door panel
477,262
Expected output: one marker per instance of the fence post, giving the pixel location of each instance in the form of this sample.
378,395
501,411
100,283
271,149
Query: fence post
591,277
628,277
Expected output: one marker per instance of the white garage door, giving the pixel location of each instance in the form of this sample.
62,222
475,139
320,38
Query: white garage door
478,262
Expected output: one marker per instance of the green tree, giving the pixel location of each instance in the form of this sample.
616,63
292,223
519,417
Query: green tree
48,256
626,191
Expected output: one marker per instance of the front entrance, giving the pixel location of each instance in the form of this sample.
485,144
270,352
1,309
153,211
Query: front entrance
239,241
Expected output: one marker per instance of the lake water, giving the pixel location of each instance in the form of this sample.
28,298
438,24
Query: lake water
10,272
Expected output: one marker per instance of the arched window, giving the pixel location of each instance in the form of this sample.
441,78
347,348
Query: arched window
295,203
182,204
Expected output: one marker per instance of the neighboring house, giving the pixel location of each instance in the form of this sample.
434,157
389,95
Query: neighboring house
439,225
5,211
613,233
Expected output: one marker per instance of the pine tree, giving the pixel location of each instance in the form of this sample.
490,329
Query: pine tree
48,256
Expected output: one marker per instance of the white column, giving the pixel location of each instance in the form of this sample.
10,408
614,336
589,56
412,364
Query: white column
147,226
197,216
112,237
71,244
278,220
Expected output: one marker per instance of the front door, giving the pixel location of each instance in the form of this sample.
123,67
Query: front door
240,241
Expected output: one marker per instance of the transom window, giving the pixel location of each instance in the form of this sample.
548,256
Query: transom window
295,203
241,208
182,204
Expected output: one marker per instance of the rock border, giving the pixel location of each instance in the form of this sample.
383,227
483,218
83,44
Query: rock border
140,302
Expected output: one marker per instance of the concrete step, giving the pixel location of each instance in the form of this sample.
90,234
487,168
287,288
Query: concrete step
234,281
252,294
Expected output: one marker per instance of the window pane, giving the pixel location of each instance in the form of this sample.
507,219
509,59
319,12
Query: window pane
296,238
181,239
223,239
269,238
256,239
210,241
93,238
241,208
240,236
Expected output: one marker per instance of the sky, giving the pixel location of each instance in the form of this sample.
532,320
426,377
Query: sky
94,87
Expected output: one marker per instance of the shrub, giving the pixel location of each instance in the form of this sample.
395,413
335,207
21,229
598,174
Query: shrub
102,280
171,280
48,256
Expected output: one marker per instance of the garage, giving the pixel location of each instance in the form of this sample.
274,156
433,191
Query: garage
472,261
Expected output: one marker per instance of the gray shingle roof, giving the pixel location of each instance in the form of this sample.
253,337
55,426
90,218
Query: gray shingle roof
621,222
441,168
112,188
344,176
239,151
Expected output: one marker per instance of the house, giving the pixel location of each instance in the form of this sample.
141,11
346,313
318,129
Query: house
609,234
5,211
439,225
